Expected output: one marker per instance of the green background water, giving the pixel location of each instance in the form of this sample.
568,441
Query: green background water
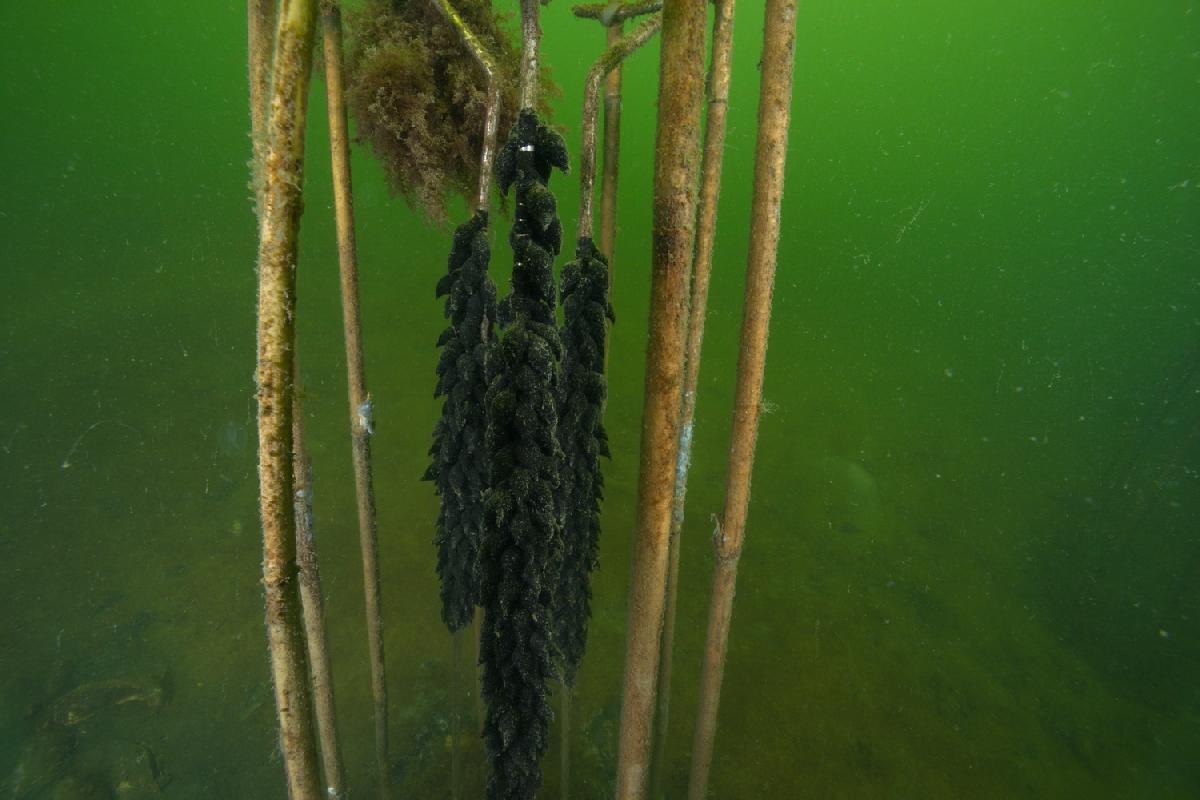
972,551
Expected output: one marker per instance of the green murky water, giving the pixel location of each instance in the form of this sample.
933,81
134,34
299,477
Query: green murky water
972,552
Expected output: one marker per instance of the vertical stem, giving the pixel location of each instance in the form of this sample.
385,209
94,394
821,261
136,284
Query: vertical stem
612,151
680,98
260,28
312,601
531,36
361,424
564,740
779,44
710,185
455,716
487,153
480,710
609,61
282,177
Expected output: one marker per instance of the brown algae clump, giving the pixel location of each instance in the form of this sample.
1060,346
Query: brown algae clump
419,98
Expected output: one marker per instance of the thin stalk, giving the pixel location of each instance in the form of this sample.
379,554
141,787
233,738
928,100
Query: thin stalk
361,423
455,716
480,709
779,46
609,60
612,12
260,28
612,152
677,149
564,740
710,186
487,154
282,178
312,600
531,37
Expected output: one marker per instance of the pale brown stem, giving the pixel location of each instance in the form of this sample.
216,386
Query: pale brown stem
492,115
706,226
312,601
564,741
615,13
480,710
531,36
260,28
455,715
361,423
609,60
282,177
779,45
677,157
658,760
612,151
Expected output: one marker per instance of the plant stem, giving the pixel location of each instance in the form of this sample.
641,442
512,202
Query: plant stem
710,186
531,36
260,28
282,177
608,61
779,44
677,148
612,152
611,13
312,601
361,424
488,153
564,740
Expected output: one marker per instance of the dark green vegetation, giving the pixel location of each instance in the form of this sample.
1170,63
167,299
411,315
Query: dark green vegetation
522,548
929,604
460,468
586,314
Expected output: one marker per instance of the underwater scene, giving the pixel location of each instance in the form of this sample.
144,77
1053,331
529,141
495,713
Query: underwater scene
971,565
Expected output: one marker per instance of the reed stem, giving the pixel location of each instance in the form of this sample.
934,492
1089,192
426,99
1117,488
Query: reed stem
361,421
779,45
612,152
608,61
611,13
260,31
312,601
710,186
487,154
677,149
281,177
531,37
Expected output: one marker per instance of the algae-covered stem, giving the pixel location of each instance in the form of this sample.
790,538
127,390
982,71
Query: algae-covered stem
282,174
312,601
487,154
531,37
361,423
677,156
720,67
612,153
260,32
613,13
612,17
608,61
779,45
